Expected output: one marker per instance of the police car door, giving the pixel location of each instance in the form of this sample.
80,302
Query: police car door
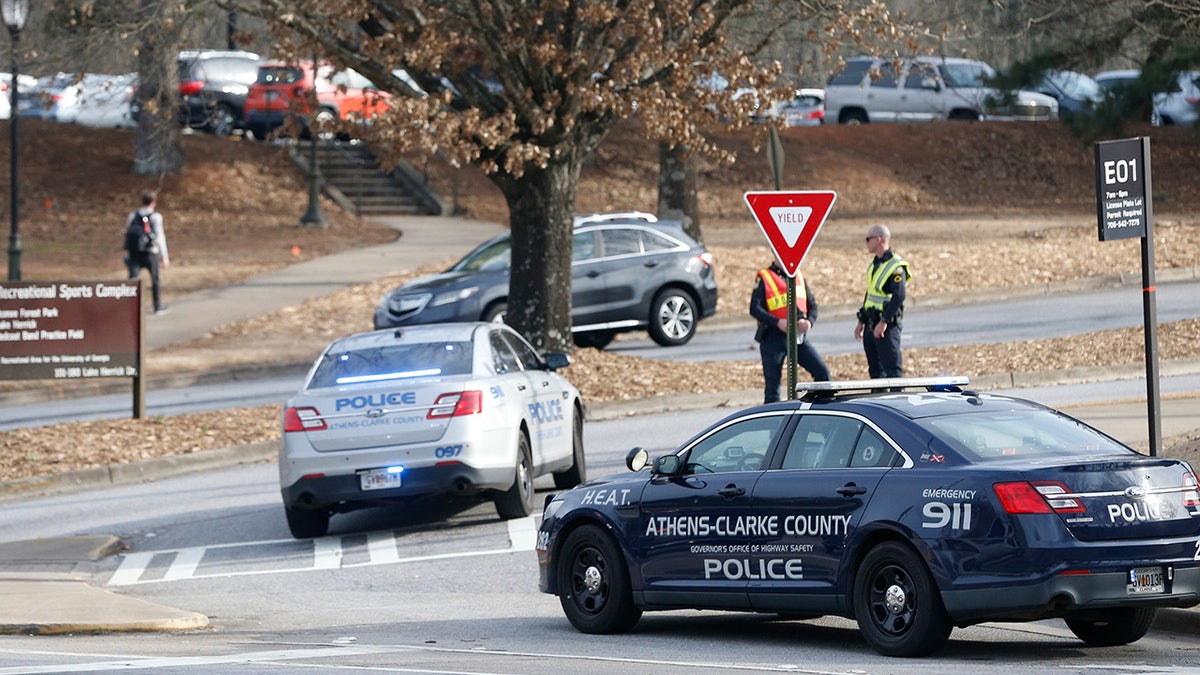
828,473
549,411
513,390
692,543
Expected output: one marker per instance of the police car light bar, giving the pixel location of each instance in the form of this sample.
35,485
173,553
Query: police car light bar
887,383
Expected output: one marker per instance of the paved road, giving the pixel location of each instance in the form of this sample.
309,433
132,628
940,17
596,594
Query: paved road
969,321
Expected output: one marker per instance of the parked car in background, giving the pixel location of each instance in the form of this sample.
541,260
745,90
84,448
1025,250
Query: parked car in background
458,410
806,109
871,89
280,93
41,100
213,85
1179,105
630,271
24,82
90,99
1076,93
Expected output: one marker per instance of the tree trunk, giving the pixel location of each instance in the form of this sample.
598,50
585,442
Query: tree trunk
157,151
677,188
540,206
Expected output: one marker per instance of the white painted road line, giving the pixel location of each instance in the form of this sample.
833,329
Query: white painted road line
327,553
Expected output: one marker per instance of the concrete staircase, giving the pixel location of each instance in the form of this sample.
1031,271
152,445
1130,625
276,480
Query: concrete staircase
352,177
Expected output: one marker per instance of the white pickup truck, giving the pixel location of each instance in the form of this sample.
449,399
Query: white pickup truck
871,89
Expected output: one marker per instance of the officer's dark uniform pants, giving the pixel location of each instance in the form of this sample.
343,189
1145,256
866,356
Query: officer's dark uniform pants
773,350
883,355
138,261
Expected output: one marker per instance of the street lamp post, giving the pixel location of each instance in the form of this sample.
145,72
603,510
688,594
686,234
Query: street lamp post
313,216
15,12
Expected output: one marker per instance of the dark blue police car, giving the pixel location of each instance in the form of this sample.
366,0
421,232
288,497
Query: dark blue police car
911,505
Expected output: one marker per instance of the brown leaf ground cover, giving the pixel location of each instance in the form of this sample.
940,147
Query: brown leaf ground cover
995,207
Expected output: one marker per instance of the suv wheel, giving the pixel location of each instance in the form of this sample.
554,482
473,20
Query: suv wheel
222,121
495,312
673,317
853,117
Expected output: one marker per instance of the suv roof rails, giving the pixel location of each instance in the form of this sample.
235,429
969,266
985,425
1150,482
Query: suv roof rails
205,53
940,383
615,216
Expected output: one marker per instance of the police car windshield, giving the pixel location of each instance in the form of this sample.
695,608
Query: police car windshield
393,362
1023,435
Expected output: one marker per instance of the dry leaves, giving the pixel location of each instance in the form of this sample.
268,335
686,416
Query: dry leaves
964,222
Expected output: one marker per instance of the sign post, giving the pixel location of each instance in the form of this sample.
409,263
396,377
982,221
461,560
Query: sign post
1124,210
790,221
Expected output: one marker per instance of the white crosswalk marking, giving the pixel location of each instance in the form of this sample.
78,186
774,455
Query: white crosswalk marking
382,547
328,553
131,569
185,564
522,533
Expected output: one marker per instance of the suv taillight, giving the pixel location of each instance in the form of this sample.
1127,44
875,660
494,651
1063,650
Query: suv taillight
706,258
190,88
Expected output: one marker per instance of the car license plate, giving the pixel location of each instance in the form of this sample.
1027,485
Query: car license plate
378,479
1145,580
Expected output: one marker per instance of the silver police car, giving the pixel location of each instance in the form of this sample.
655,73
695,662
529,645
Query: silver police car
444,410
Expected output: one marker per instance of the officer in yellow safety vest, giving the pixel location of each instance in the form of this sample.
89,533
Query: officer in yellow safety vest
768,304
883,306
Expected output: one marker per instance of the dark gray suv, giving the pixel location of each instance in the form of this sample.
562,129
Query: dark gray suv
630,271
213,84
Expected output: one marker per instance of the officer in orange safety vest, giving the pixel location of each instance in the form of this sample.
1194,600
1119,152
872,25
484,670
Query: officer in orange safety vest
768,304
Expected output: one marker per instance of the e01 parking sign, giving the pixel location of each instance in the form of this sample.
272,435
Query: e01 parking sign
1122,188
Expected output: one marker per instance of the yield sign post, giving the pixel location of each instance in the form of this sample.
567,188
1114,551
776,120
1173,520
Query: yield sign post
790,221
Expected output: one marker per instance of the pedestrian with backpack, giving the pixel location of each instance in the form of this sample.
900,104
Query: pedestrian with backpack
146,245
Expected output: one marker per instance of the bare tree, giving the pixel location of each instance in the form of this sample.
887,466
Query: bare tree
526,89
157,150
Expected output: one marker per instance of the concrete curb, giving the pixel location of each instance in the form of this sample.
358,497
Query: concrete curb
59,604
165,467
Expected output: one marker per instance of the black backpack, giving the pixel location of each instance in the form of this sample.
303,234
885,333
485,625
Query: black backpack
139,235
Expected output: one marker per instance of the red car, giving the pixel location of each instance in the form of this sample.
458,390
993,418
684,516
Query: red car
282,91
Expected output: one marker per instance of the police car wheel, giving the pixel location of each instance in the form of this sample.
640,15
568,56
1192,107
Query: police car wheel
1118,626
517,501
307,524
896,603
593,583
575,475
673,317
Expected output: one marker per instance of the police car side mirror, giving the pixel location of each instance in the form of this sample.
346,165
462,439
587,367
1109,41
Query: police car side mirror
637,459
556,360
667,465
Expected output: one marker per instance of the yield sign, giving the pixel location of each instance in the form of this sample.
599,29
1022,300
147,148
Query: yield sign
791,221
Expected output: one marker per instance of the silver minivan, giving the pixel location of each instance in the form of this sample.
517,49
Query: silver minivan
872,89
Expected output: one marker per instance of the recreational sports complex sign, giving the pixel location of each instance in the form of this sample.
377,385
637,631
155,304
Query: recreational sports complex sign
65,330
